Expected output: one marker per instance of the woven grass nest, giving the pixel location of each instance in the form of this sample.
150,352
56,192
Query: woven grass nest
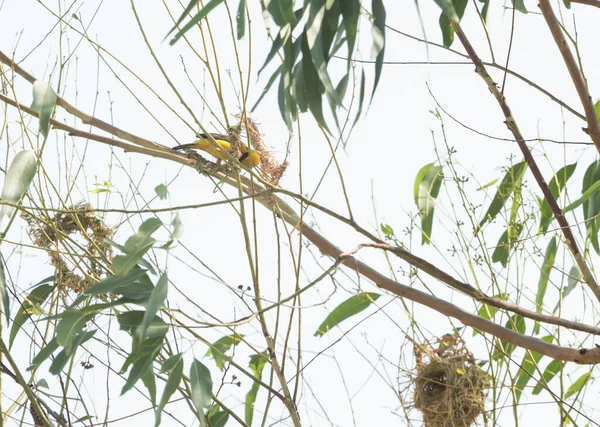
450,389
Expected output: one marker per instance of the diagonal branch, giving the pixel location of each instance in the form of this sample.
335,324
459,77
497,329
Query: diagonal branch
593,128
476,294
511,123
327,248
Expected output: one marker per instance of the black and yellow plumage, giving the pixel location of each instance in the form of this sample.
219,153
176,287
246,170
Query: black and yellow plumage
248,158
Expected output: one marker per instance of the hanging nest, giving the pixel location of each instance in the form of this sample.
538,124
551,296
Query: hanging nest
75,240
272,169
450,389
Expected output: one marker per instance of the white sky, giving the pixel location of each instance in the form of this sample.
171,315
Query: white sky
388,147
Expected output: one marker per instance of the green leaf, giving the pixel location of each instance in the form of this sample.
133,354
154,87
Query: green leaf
528,368
201,383
31,305
155,303
44,353
175,375
218,349
584,199
63,357
448,9
510,183
257,363
218,419
550,372
149,381
506,242
556,185
489,184
170,363
240,19
282,12
313,31
177,228
135,284
136,247
578,385
352,306
426,189
18,179
547,265
161,191
361,98
504,349
42,383
3,292
573,279
272,79
44,100
312,84
130,320
141,362
597,109
484,11
195,19
378,34
350,15
387,230
70,326
591,202
519,6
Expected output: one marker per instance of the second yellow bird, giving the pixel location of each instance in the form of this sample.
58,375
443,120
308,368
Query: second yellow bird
247,158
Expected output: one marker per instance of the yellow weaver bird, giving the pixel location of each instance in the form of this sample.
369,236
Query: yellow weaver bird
247,158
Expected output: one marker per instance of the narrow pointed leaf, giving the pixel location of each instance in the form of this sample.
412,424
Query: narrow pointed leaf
510,183
155,303
218,349
241,19
44,100
257,364
378,34
17,181
572,281
591,202
352,306
171,385
578,385
195,19
547,266
556,185
504,349
218,419
136,247
201,383
30,306
550,372
426,189
528,368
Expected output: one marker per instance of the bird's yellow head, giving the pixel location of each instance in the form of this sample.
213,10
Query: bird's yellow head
249,159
